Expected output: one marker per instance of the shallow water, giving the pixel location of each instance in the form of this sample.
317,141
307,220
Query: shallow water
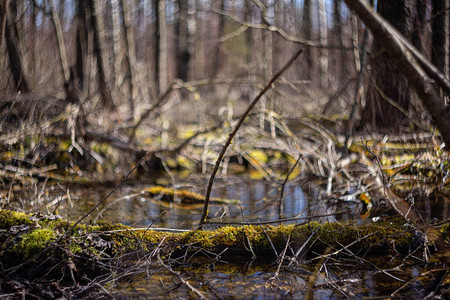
258,201
237,277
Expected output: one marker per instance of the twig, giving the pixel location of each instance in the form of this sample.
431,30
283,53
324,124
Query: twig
233,133
283,254
280,205
185,282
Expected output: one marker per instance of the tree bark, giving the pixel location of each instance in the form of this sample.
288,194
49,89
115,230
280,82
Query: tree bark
183,53
306,31
4,9
340,64
419,21
218,54
323,30
379,113
98,30
129,51
16,57
163,56
438,34
156,50
407,64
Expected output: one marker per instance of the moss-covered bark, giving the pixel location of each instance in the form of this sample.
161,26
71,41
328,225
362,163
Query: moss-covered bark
35,233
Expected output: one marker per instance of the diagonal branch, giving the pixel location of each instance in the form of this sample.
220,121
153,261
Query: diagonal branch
235,130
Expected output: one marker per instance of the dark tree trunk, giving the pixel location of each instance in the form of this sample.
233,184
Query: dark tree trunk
78,73
419,19
15,55
387,81
156,68
438,34
183,55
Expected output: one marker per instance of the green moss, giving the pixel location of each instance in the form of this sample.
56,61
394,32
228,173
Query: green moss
184,196
34,242
10,218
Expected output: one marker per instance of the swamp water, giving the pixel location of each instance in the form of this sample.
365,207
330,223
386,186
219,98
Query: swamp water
238,277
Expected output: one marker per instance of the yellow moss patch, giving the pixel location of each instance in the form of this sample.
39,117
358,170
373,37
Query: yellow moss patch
10,218
184,196
34,242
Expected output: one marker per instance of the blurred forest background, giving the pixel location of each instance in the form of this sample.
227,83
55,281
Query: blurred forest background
124,54
131,69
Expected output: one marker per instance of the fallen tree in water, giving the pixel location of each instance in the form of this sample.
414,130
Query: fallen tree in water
37,240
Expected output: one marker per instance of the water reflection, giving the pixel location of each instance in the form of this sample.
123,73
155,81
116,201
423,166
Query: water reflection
259,201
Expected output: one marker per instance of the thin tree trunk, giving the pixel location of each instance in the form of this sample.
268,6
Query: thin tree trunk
4,10
438,34
183,53
419,19
379,113
82,42
163,57
407,64
306,30
156,50
129,51
218,54
98,29
323,30
337,29
71,90
115,42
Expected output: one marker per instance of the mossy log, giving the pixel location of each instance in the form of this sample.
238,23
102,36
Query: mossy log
23,236
183,196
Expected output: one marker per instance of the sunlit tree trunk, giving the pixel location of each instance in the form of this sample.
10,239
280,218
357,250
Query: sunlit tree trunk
306,31
70,88
102,77
4,10
340,64
323,34
129,52
387,80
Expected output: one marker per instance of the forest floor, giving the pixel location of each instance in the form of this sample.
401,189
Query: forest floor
395,179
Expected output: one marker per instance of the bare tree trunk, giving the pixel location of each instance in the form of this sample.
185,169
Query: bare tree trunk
407,64
388,81
183,53
419,19
306,30
337,29
156,50
323,30
4,10
438,34
79,71
98,30
163,57
218,54
16,57
129,52
71,90
115,42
